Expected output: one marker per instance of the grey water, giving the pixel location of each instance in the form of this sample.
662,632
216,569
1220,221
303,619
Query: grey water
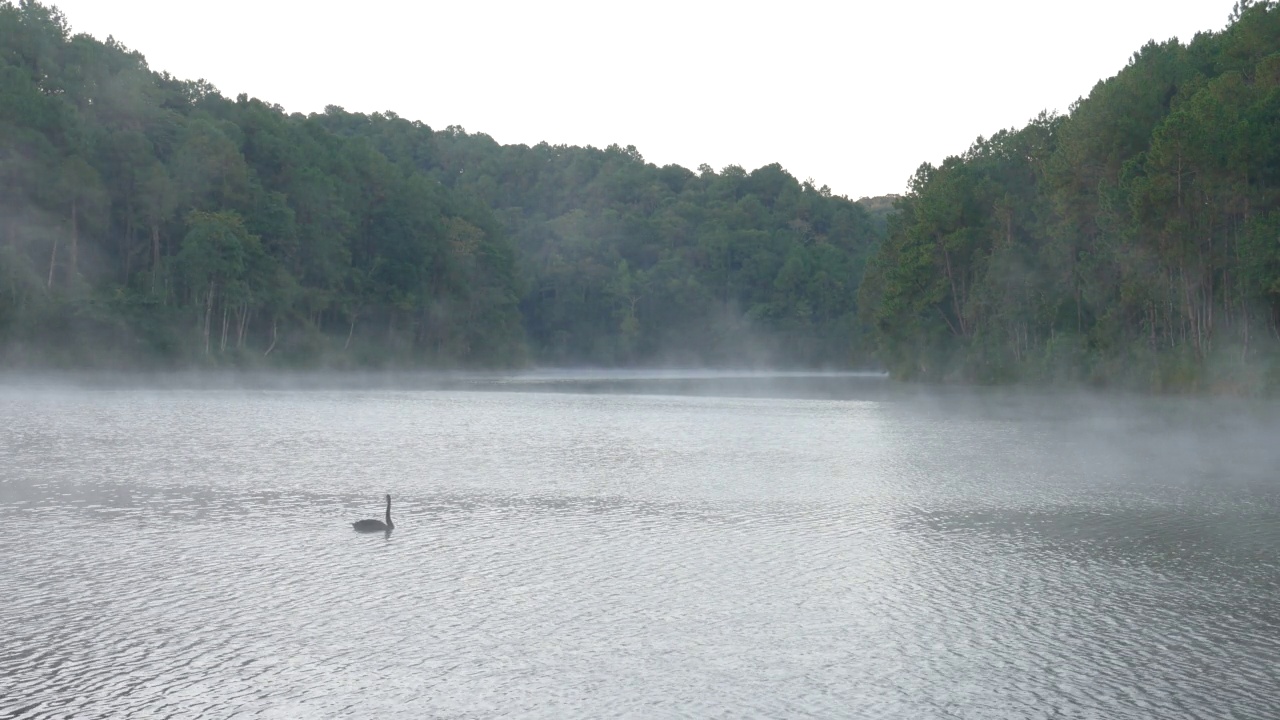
825,546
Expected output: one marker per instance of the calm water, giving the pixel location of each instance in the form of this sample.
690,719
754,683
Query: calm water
825,547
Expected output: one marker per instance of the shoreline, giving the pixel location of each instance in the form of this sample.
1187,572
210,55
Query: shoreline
752,382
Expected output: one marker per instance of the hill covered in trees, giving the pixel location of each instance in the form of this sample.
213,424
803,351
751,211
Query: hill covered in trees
150,221
1134,240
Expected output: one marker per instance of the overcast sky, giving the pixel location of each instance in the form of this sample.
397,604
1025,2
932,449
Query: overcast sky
852,94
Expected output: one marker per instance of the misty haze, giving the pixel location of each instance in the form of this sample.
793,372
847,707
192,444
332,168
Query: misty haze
312,412
673,544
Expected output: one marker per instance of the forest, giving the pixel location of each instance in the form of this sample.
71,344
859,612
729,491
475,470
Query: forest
150,222
1133,242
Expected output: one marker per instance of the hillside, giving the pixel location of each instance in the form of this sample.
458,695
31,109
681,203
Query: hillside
1134,241
150,221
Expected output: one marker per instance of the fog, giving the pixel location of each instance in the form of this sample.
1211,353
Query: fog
643,455
1235,432
577,542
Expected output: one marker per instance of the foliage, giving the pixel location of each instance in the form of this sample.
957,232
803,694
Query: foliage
150,220
1135,240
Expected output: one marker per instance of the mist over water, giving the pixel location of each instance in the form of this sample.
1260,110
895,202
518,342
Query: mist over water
644,545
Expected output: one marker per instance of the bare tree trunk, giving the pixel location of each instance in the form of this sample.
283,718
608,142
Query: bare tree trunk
75,244
13,247
273,339
222,345
1192,312
1244,352
208,315
53,261
1244,301
155,254
1079,308
955,298
1151,323
127,242
950,324
350,331
242,321
1179,180
1226,298
1207,304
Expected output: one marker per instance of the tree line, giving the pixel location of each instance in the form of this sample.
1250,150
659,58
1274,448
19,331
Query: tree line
1134,240
151,221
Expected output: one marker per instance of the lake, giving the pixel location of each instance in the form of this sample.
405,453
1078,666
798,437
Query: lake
648,546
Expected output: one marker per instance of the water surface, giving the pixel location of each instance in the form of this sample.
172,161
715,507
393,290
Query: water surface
637,547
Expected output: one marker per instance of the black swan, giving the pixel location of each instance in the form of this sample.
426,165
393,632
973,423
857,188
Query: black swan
376,525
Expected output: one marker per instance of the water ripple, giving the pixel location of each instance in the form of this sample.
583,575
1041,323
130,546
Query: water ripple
190,554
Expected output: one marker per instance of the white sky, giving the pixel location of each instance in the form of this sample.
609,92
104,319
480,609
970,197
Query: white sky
852,94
